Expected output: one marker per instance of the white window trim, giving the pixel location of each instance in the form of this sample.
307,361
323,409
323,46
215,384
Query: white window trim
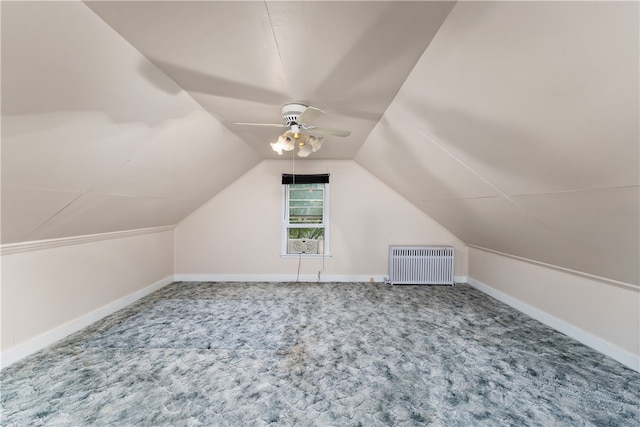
325,219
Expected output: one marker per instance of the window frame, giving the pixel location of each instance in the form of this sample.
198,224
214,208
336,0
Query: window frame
286,225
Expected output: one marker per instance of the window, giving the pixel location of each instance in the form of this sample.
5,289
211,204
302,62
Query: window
305,228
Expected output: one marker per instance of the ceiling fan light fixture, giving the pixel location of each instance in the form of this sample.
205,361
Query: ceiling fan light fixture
287,142
277,147
315,143
304,150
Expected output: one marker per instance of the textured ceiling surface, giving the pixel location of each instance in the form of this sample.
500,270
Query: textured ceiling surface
512,124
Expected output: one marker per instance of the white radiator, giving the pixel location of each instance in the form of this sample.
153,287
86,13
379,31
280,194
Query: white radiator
421,265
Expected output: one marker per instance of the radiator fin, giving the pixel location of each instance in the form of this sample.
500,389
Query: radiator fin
421,265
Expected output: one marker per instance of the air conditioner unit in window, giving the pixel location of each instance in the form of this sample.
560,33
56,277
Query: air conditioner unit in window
303,246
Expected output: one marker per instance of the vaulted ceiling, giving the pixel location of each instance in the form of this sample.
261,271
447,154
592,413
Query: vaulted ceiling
513,124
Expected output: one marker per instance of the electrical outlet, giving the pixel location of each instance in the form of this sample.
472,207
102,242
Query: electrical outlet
371,279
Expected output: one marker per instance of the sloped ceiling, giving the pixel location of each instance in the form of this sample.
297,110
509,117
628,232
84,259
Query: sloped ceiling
518,132
513,124
91,145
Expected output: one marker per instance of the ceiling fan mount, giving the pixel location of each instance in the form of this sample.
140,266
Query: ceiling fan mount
291,113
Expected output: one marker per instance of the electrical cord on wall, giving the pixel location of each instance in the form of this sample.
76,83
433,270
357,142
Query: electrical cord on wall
323,257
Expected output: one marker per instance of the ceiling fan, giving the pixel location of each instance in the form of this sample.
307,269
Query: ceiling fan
301,133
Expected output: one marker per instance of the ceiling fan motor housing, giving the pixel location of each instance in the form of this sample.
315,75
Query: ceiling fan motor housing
291,112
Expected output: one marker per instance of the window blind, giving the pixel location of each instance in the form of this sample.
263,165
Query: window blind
288,178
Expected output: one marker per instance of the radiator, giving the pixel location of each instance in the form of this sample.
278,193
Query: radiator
421,265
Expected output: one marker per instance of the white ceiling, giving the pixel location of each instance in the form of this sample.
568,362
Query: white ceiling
243,60
512,124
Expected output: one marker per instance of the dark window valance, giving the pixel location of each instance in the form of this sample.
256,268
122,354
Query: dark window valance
288,178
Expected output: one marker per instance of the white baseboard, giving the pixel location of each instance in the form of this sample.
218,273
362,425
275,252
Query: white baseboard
41,341
623,356
276,278
287,278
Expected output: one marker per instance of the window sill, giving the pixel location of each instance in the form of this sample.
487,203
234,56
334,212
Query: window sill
297,256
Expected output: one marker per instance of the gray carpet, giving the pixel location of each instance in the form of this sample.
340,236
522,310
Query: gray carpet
322,354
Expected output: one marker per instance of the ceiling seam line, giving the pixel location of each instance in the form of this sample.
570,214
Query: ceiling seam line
584,190
529,194
458,198
502,193
273,32
430,139
55,214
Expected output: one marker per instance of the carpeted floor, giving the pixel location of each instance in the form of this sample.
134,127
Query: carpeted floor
321,354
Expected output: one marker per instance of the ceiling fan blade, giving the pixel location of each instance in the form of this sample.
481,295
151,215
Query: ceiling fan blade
277,125
310,114
327,131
